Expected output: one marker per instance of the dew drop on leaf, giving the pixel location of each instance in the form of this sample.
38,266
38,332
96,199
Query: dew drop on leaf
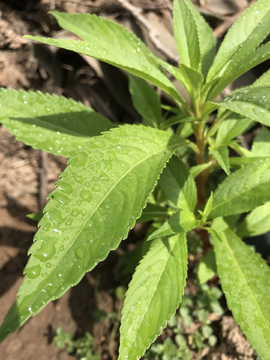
66,187
46,251
33,272
80,252
86,195
96,187
79,160
75,212
64,200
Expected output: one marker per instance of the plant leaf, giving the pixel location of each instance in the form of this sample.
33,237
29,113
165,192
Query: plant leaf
251,103
240,64
153,295
207,267
261,143
179,185
243,190
182,221
196,170
108,41
231,127
256,223
152,212
145,101
245,281
207,40
222,156
107,183
186,35
247,32
48,122
263,80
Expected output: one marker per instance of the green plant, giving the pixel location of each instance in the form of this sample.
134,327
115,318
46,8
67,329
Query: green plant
83,348
109,182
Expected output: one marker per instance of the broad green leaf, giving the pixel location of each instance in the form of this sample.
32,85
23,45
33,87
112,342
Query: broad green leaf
48,122
182,221
263,80
240,64
252,103
145,101
256,223
222,156
231,127
179,185
261,143
186,35
107,183
153,295
243,190
152,212
108,41
247,32
207,267
245,281
207,41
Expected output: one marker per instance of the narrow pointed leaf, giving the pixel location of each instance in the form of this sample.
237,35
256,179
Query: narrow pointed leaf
261,143
191,79
207,40
243,190
153,295
230,128
179,185
240,64
247,32
107,183
245,160
145,101
48,122
182,221
222,156
152,212
196,170
263,80
207,267
251,103
245,281
110,42
256,223
186,35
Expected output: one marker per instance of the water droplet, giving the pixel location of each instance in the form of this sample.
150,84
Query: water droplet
79,160
258,111
75,212
80,252
33,272
46,250
69,221
55,215
60,197
62,248
83,212
107,206
66,238
88,223
44,274
48,265
47,226
86,195
66,187
79,202
96,187
28,281
79,179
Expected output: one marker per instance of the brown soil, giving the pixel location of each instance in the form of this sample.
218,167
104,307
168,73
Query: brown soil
27,176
